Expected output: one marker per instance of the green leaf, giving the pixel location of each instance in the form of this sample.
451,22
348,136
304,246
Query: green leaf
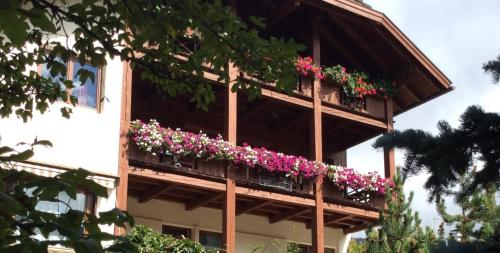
23,156
5,149
39,19
45,143
14,28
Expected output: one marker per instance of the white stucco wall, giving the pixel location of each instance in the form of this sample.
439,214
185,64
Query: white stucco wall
89,139
251,230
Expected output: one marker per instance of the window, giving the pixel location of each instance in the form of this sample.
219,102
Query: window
328,250
176,232
88,94
211,240
83,202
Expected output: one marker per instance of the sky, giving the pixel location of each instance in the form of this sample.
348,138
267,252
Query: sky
458,36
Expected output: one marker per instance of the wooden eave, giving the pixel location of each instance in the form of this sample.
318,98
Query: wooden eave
384,27
381,19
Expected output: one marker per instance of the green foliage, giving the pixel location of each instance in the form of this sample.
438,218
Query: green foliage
479,212
147,33
452,152
493,68
355,247
399,229
20,220
149,241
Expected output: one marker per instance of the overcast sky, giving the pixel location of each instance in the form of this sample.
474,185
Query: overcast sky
458,36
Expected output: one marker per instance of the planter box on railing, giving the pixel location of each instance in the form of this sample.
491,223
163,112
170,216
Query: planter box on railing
374,199
215,168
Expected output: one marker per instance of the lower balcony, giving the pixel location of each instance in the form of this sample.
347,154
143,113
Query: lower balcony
198,183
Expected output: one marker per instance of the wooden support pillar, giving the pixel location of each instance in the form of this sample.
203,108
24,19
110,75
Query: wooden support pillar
317,149
229,210
121,190
389,159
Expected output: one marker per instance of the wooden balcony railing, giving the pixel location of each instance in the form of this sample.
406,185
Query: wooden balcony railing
331,94
254,178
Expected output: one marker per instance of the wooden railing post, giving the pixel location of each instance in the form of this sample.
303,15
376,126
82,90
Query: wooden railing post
389,159
229,210
317,149
121,190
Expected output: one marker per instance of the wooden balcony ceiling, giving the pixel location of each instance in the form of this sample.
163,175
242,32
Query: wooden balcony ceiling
357,37
264,122
146,185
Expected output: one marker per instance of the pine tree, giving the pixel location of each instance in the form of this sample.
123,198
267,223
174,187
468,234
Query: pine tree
479,213
452,153
493,68
399,229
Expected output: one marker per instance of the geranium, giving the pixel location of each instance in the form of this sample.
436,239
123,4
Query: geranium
357,85
151,137
307,68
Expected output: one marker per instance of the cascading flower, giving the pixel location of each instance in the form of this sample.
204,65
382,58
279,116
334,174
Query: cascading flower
151,137
306,67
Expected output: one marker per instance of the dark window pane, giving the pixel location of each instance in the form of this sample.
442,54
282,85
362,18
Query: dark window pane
86,92
176,232
211,240
327,250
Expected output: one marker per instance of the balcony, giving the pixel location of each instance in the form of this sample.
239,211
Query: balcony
256,178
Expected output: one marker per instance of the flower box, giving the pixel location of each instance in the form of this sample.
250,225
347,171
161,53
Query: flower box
304,86
375,106
331,92
377,200
154,139
331,191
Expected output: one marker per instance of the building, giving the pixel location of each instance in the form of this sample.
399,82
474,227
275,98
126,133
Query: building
234,207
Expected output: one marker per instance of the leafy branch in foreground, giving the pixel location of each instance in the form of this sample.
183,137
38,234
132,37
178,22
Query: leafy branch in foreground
150,34
22,221
149,241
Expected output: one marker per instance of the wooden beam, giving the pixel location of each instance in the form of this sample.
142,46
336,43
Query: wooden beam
410,93
353,117
389,159
155,192
203,201
229,203
266,92
356,228
318,233
330,221
336,220
176,179
280,13
253,206
340,47
123,166
354,211
277,197
288,215
364,45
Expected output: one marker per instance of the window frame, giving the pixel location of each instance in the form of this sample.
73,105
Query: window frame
99,83
175,226
207,231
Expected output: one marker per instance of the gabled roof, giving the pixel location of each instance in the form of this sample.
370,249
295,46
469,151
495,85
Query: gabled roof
420,79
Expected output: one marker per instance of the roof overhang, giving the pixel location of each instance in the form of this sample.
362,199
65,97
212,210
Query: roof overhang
419,79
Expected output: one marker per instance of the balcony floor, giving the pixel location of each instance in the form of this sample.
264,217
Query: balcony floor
148,182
